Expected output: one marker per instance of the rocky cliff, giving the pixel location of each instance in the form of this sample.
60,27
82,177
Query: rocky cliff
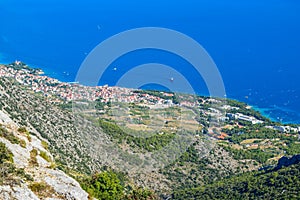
31,173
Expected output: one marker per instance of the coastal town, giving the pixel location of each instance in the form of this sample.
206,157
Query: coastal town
67,92
48,86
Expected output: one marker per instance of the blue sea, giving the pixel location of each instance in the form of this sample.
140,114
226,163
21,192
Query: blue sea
254,43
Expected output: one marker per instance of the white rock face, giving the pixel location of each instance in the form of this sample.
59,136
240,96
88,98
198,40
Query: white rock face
4,118
36,143
42,162
64,186
21,155
17,192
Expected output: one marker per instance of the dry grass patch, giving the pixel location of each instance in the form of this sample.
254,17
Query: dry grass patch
42,189
250,141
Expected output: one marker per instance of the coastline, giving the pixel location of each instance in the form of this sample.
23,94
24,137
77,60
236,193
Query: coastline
267,112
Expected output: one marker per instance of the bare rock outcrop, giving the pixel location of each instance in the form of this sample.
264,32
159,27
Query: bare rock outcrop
46,182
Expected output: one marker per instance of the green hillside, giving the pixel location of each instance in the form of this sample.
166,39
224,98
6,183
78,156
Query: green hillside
281,184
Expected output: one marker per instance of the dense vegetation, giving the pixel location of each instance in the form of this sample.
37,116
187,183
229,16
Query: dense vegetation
104,186
262,133
109,185
152,143
294,148
255,154
281,184
191,169
259,143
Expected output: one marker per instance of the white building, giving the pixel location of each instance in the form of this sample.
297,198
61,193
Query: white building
243,117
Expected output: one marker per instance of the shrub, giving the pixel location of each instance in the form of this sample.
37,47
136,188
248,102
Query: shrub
45,144
5,154
33,161
23,143
42,189
9,136
105,185
53,165
37,186
22,130
28,136
44,155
